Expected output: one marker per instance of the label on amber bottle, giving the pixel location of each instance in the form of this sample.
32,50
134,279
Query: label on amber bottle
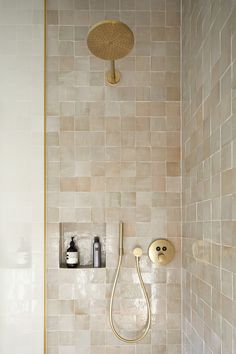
72,257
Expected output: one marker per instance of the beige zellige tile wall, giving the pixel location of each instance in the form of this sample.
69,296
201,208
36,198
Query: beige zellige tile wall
113,154
209,176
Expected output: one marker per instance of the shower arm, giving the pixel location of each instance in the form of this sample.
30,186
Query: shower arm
113,75
113,70
137,253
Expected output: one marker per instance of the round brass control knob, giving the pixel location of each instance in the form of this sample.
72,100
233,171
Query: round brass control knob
161,251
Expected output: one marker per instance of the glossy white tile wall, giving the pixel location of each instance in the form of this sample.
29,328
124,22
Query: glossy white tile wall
21,177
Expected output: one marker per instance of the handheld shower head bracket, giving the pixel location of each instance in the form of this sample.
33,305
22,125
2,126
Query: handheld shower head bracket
137,252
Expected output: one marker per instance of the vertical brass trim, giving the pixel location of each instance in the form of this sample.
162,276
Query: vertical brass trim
45,178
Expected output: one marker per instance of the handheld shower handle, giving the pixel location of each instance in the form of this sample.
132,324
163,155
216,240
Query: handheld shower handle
121,248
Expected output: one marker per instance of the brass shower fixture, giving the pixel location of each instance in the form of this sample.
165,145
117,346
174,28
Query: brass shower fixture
137,252
110,40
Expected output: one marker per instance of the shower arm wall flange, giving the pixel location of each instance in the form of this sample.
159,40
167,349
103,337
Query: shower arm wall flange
113,76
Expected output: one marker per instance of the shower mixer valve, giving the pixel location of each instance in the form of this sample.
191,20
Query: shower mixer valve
161,251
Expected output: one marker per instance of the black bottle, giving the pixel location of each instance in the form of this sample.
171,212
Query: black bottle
72,256
96,253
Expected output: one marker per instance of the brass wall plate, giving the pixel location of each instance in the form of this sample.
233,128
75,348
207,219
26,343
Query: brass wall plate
161,251
113,77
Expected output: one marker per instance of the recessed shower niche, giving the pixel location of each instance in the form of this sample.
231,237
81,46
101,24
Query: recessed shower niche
83,235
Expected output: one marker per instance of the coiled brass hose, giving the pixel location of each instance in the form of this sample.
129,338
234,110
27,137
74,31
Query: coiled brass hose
137,253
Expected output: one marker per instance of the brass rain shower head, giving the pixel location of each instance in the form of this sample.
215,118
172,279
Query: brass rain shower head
110,40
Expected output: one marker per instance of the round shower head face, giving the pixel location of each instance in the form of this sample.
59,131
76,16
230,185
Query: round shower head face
110,40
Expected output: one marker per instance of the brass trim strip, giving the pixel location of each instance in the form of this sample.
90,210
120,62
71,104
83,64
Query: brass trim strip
45,177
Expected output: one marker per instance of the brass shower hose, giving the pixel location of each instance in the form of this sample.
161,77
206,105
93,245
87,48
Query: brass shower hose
137,253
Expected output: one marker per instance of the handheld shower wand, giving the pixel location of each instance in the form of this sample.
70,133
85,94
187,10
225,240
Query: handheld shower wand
137,253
